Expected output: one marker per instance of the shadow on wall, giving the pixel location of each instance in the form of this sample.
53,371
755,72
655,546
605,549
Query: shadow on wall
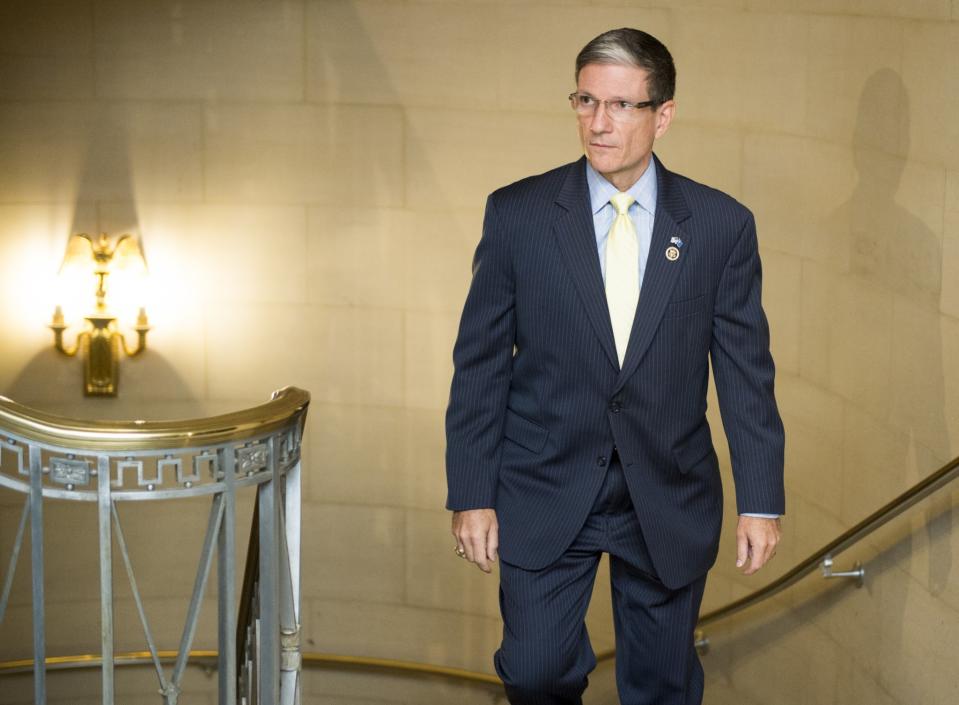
881,268
872,296
54,383
897,259
411,253
872,279
847,638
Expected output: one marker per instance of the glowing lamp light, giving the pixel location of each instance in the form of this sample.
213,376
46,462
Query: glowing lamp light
116,270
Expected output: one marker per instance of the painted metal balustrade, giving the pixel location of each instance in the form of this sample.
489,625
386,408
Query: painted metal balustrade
107,464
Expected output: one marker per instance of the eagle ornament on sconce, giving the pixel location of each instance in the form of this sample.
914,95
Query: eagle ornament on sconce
117,263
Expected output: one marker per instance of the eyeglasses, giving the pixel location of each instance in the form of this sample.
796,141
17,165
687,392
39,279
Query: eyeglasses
585,104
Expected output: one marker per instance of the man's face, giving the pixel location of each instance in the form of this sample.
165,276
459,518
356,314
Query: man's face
620,149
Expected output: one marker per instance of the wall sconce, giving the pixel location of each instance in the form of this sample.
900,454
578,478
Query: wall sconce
100,262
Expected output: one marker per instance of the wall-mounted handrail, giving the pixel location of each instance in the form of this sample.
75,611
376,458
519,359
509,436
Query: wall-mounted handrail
886,513
892,509
922,489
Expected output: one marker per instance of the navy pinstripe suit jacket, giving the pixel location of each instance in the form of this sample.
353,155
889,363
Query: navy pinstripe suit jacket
538,400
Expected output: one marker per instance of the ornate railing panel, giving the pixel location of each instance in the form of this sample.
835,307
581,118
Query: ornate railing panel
47,458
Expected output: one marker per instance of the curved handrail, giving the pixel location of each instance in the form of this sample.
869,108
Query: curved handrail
932,483
922,489
41,427
138,658
874,521
881,516
106,462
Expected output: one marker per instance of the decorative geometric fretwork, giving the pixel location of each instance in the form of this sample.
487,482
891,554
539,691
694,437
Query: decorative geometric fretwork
17,450
210,461
124,465
251,458
176,466
70,472
150,482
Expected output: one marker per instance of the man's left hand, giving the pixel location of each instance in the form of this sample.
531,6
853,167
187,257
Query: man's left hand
756,541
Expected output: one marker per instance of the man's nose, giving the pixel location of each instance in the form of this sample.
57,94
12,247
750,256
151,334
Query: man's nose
600,121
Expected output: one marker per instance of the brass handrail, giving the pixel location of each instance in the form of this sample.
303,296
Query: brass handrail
128,658
388,664
874,521
881,516
878,518
141,461
889,511
41,427
136,658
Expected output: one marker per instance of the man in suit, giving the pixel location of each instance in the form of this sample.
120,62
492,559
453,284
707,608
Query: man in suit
577,415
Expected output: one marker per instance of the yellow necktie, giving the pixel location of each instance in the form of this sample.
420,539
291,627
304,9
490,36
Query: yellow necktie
622,273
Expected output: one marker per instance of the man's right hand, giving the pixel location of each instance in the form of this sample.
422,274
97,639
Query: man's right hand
477,533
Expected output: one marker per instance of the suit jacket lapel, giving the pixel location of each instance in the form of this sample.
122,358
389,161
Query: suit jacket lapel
576,237
661,274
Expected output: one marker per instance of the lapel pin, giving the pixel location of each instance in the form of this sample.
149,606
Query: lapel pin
672,253
676,241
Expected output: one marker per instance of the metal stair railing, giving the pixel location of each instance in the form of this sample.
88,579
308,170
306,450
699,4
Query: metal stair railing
269,608
50,458
821,558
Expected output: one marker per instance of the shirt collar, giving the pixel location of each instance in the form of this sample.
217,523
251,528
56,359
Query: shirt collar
643,191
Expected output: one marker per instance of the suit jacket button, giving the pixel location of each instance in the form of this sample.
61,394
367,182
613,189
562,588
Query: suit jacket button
601,461
615,407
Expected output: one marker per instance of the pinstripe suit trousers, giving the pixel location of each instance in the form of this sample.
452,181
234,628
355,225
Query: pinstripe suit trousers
546,654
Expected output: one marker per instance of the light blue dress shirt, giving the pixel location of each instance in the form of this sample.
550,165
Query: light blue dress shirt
642,212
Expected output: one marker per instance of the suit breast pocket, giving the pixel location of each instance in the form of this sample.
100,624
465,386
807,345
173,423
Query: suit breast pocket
524,432
686,307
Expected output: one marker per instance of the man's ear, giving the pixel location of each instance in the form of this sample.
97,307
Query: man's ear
664,116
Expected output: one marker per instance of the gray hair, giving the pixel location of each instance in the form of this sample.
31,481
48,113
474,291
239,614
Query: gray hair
633,47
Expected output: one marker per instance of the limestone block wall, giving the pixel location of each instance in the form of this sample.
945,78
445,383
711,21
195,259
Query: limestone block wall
308,179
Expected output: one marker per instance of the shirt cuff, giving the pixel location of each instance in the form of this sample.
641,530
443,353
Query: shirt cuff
761,516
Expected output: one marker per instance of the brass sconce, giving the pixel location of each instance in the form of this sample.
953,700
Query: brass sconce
118,262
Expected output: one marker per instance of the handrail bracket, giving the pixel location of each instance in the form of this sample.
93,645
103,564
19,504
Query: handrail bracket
858,573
